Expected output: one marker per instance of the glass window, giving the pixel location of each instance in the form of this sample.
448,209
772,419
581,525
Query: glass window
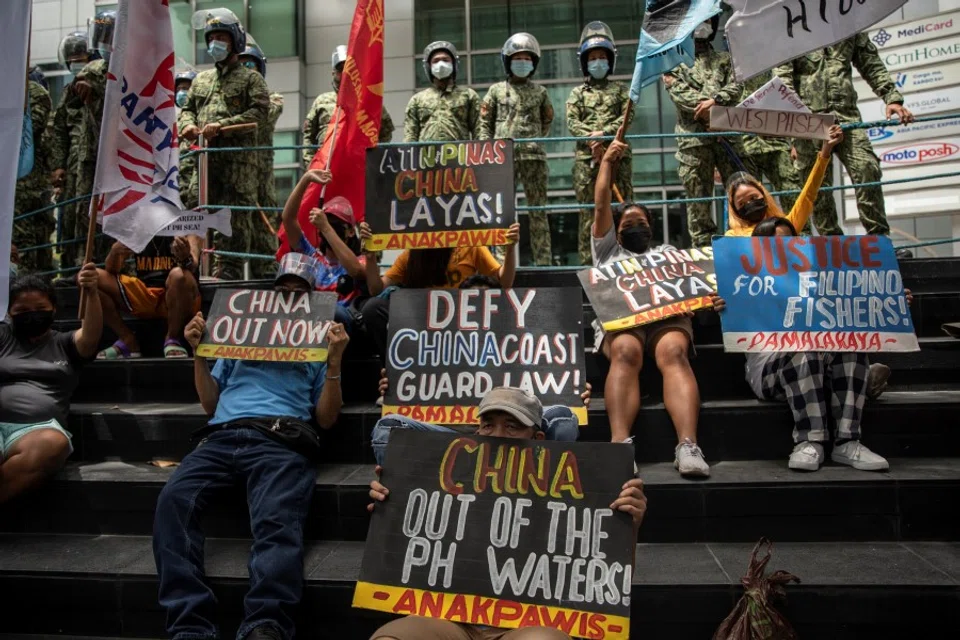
646,120
285,180
560,175
671,168
439,20
668,115
678,234
934,227
180,13
489,23
647,169
285,156
237,6
550,21
274,24
624,18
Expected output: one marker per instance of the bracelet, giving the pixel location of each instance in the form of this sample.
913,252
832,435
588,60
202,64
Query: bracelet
333,377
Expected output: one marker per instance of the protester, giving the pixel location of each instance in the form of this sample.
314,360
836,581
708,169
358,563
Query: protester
818,387
339,268
670,341
258,438
33,190
227,95
442,268
521,108
749,202
824,81
166,286
321,112
39,369
183,80
710,81
597,108
254,58
505,412
444,111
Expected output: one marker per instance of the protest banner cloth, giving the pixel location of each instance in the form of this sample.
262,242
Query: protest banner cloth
764,122
268,325
198,222
658,285
458,194
775,96
137,179
502,532
354,126
820,293
792,28
448,348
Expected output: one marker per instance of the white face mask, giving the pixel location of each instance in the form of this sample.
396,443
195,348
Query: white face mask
441,69
77,67
703,31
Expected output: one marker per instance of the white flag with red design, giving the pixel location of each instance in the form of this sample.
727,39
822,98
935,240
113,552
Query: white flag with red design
137,185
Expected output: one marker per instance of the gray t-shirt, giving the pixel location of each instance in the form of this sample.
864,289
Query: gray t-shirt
37,379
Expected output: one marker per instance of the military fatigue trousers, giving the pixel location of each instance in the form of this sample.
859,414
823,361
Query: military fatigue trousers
533,174
776,168
584,184
33,231
250,232
74,221
188,183
697,165
856,154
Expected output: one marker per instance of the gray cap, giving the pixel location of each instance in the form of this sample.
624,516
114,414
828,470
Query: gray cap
522,405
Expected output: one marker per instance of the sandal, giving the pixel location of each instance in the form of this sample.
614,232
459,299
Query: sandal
118,351
174,349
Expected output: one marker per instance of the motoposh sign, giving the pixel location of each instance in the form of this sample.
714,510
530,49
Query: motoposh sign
921,104
502,533
925,152
655,286
821,293
448,348
273,326
939,26
789,124
458,194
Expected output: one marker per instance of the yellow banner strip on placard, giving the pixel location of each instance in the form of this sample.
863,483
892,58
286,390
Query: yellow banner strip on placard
264,354
454,414
660,313
437,239
495,612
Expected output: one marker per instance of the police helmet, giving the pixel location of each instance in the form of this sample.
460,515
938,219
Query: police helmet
214,20
597,35
36,75
520,43
100,31
440,45
339,56
73,46
254,51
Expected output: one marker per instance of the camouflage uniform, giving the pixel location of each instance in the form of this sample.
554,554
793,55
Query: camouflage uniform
824,81
63,142
711,77
267,190
233,94
451,113
771,156
596,105
33,191
188,170
523,110
95,74
318,118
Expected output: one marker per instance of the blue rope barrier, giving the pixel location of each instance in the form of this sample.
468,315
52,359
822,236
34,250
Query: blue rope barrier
54,244
52,207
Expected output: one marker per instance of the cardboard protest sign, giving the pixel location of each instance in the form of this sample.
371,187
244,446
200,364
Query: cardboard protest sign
820,293
656,286
447,348
503,533
764,122
274,326
774,96
792,28
458,194
198,222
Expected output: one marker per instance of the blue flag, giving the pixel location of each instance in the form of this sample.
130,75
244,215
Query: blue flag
666,39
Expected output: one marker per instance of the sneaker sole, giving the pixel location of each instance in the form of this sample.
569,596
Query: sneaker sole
862,466
695,473
797,465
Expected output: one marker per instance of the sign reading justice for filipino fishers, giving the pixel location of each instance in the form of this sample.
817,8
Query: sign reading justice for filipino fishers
658,285
274,326
457,194
448,348
502,532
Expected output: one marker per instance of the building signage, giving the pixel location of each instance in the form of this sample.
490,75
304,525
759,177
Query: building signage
886,136
924,53
913,80
926,152
921,104
939,26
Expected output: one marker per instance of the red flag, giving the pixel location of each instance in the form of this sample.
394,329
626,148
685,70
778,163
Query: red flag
355,125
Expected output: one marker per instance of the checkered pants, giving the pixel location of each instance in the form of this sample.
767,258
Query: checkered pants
809,381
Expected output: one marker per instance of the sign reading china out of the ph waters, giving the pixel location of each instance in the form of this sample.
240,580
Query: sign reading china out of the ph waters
502,532
821,293
457,194
448,348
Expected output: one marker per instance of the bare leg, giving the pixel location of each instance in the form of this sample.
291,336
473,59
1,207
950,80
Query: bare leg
182,292
622,389
111,301
681,395
31,460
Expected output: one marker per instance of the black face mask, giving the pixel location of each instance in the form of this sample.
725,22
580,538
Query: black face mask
753,211
636,239
32,324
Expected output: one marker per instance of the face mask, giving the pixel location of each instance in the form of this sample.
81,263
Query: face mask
521,68
441,69
77,67
598,68
218,50
754,210
32,324
181,98
703,32
636,239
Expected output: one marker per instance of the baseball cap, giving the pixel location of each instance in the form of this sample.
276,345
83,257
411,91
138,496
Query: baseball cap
339,207
299,265
522,405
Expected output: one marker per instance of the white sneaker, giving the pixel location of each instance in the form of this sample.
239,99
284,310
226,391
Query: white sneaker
854,454
806,456
689,460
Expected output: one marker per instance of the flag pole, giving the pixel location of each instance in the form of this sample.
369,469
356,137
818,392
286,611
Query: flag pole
333,147
88,255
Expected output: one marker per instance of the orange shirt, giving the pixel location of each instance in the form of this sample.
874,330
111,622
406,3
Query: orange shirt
464,262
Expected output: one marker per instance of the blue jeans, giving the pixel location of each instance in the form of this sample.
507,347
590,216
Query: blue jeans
279,484
559,424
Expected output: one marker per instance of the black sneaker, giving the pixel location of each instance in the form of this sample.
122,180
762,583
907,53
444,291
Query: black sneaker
265,632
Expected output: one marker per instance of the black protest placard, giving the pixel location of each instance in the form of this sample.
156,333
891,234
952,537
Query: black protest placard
274,326
456,194
448,348
657,285
502,532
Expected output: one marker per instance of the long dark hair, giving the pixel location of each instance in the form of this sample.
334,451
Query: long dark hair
31,283
427,268
769,226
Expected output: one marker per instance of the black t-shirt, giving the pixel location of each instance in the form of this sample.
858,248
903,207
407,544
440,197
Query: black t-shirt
155,262
37,379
